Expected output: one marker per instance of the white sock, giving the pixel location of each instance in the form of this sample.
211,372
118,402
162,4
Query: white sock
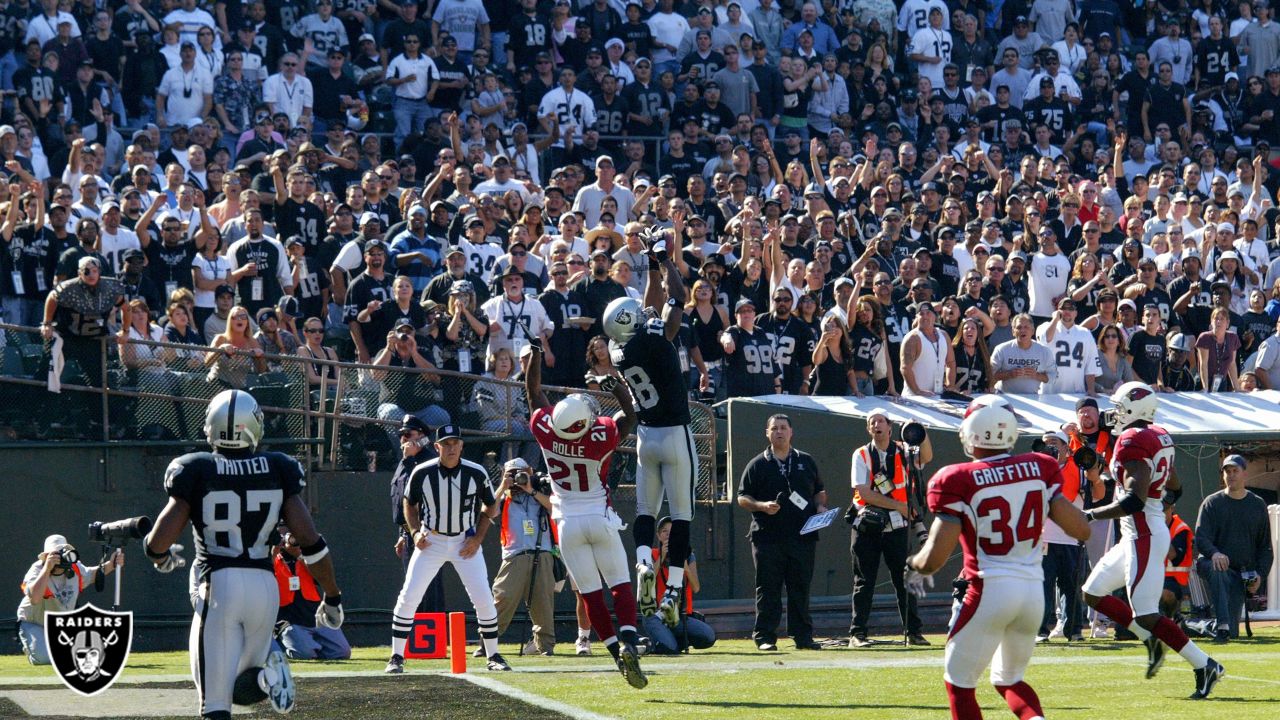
490,646
397,645
1194,655
644,555
1140,631
584,633
675,577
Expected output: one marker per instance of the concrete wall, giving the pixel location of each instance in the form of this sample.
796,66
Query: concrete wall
61,489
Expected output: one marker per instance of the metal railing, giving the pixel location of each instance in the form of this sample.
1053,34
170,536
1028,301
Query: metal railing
344,422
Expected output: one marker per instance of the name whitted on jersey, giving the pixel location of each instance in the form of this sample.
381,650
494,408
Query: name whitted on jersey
242,466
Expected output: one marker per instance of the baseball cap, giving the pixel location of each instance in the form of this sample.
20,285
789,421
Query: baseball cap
1083,403
367,216
744,303
411,423
1127,303
136,254
1236,460
224,290
88,260
1178,341
364,37
448,432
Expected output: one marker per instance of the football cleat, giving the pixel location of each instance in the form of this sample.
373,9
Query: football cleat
497,663
859,641
1206,678
1098,631
276,681
646,590
669,608
395,665
582,646
917,639
1155,655
629,664
478,652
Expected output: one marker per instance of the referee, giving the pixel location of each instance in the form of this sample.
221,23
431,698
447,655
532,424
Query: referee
449,507
782,489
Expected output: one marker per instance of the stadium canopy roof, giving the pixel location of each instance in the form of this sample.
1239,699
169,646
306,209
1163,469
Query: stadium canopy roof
1219,414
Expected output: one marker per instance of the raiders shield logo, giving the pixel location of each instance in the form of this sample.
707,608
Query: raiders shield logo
88,647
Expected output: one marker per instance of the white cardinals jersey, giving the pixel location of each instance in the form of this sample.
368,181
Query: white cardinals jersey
1001,503
579,468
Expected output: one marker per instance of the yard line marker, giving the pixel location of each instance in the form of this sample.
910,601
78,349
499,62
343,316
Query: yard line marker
545,703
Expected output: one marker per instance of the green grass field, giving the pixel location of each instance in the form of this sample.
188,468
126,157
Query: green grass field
1095,679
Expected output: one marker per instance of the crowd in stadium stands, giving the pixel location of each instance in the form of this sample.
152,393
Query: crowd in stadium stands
865,198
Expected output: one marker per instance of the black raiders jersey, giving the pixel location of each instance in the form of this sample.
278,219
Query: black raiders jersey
793,345
304,219
651,366
235,503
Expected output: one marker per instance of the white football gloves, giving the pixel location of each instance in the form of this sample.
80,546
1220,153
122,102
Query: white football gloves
917,583
329,614
173,561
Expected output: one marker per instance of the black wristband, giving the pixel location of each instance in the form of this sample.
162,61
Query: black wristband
154,556
334,600
654,265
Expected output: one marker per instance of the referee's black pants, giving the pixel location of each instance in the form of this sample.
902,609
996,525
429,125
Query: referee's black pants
867,550
779,565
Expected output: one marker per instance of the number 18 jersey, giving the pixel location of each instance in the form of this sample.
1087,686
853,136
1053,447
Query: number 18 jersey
651,366
1001,503
579,468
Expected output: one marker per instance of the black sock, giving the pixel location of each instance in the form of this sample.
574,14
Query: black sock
642,530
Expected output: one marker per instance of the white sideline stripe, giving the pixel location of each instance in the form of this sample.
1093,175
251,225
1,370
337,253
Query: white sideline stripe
502,688
652,664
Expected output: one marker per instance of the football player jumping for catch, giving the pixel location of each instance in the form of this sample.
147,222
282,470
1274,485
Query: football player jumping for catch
577,443
643,352
1143,466
995,508
234,496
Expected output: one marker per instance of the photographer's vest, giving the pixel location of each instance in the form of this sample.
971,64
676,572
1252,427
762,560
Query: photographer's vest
893,459
286,578
1179,568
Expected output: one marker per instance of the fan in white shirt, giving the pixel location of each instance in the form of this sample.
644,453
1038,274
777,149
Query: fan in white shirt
1074,352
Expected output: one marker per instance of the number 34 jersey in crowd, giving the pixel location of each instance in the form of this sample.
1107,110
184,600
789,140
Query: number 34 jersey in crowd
579,468
1152,445
235,504
651,366
1001,503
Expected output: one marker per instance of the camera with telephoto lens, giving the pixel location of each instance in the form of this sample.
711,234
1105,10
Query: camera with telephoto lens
119,531
522,479
913,433
1040,446
1086,458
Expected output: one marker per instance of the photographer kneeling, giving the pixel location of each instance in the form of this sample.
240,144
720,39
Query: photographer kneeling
54,584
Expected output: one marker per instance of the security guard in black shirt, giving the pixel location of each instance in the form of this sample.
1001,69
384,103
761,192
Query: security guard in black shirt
415,448
782,489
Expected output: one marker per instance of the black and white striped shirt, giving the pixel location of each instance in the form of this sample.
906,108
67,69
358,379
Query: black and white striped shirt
450,499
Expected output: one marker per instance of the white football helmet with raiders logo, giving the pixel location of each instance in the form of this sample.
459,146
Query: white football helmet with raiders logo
623,318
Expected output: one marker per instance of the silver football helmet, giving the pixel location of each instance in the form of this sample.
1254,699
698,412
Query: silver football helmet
623,318
233,421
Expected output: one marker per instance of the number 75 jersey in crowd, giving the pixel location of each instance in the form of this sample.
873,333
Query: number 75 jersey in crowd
235,504
579,468
651,366
1001,503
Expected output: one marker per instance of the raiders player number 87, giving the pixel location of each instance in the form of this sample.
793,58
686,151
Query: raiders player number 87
643,352
234,496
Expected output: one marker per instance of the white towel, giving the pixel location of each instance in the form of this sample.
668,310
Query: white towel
56,362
